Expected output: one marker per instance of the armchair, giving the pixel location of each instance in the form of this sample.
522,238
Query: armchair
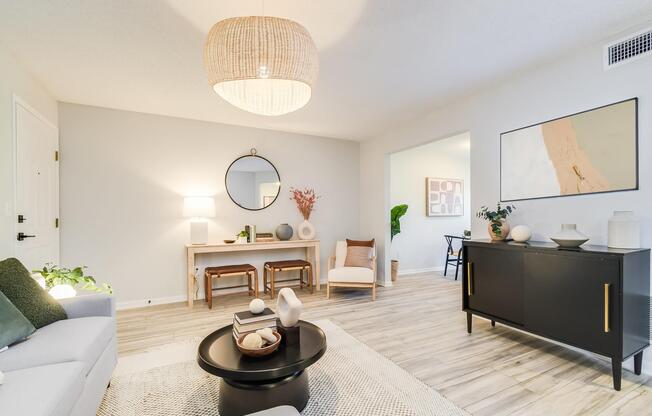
343,276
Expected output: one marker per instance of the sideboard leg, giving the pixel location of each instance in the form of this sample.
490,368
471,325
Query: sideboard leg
617,370
493,323
469,321
638,361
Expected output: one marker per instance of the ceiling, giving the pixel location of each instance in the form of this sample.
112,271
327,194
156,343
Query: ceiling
382,62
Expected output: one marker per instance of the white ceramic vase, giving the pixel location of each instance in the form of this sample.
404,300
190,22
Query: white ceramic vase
624,230
288,307
568,236
306,231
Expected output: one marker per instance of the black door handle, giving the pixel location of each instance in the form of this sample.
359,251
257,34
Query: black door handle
22,236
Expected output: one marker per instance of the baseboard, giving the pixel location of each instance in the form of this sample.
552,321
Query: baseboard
403,272
131,304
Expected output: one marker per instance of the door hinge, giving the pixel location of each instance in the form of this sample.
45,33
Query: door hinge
56,155
56,223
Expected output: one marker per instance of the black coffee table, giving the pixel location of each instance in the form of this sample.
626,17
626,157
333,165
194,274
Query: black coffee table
252,384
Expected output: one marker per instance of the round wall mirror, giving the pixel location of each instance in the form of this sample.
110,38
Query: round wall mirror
252,182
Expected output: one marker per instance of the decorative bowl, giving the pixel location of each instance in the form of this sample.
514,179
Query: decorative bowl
259,352
569,237
229,241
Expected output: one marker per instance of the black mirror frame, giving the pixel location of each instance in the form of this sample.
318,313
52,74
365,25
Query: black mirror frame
226,185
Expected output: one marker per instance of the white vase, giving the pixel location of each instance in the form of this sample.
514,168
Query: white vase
568,236
624,230
306,231
288,307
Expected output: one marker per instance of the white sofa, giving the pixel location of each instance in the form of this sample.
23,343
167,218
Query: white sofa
64,368
356,277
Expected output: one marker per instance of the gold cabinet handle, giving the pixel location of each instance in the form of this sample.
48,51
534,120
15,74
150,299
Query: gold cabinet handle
606,307
469,270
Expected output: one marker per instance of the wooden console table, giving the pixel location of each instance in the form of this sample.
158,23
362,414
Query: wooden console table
311,246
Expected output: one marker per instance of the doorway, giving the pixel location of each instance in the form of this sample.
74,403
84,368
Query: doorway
433,180
36,238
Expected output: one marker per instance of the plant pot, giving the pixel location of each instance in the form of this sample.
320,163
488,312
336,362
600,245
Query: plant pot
306,231
504,231
394,270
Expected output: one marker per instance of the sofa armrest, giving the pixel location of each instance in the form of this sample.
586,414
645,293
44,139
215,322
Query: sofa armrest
374,267
89,305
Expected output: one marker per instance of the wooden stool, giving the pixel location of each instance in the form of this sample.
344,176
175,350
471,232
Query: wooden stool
230,271
272,267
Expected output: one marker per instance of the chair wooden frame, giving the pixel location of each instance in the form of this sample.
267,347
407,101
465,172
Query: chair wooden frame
372,286
208,283
269,278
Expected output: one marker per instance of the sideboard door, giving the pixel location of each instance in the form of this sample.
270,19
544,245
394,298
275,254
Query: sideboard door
566,299
496,282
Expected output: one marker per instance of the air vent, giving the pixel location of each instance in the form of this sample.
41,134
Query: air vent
628,49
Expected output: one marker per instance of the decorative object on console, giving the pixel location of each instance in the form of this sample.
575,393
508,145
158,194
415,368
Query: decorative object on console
444,197
569,237
251,233
252,182
395,226
257,306
305,200
229,241
588,152
261,64
624,230
288,308
264,237
498,226
242,237
521,233
284,232
61,281
198,208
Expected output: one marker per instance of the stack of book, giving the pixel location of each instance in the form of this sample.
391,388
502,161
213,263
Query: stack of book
247,322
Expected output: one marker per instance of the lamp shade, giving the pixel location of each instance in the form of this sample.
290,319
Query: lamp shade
261,64
198,206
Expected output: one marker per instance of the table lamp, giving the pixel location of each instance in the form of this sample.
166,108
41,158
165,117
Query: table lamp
198,208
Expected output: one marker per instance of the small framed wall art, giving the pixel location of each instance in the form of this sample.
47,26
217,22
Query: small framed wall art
444,197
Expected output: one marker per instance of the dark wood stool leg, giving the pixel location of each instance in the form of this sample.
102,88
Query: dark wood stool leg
301,279
446,264
207,278
271,283
638,363
617,371
265,280
493,323
210,292
311,277
256,283
250,289
469,322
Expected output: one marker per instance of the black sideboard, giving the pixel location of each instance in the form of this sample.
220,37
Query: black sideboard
594,298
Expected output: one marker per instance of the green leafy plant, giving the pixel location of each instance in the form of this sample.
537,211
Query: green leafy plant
57,275
243,233
496,217
397,212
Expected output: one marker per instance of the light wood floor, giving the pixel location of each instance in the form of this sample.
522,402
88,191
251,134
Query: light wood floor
419,325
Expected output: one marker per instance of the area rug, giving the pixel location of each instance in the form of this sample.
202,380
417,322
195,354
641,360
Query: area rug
350,379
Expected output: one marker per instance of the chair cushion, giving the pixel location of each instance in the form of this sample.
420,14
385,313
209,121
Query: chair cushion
282,264
27,296
351,275
50,390
233,268
14,326
81,339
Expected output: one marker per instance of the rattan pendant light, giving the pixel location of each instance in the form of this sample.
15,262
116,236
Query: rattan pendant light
261,64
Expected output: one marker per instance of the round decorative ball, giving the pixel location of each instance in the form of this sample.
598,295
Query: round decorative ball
257,306
252,341
284,232
521,233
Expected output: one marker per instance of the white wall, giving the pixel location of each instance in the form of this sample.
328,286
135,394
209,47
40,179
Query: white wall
15,80
421,246
572,84
124,175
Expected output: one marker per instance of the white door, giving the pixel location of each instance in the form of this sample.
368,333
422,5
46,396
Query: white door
37,189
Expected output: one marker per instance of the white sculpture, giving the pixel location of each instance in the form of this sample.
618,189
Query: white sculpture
252,341
288,307
267,334
257,306
521,233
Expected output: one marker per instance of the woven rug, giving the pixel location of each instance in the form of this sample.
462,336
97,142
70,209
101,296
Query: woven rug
350,379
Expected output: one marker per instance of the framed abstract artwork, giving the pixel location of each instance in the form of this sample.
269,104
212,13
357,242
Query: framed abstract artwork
444,197
594,151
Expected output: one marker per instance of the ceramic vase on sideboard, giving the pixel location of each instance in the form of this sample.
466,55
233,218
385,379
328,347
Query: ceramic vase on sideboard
504,231
569,236
624,230
284,232
306,231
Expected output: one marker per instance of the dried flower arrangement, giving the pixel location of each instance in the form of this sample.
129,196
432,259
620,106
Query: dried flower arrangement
305,200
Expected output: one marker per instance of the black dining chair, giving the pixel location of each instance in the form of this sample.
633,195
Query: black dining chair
453,257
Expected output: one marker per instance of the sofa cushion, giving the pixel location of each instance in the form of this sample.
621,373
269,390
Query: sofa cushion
13,324
27,296
82,339
351,275
50,390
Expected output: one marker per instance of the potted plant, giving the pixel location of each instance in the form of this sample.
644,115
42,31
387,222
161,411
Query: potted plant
395,220
498,226
60,282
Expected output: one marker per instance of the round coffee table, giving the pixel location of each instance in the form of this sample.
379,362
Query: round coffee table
252,384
